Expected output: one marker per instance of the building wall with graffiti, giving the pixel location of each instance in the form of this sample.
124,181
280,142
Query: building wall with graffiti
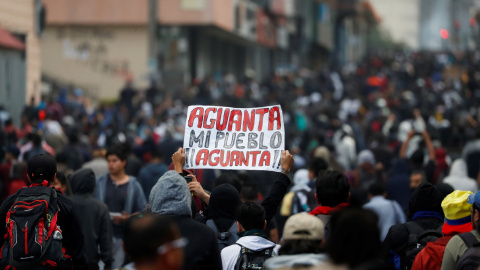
102,58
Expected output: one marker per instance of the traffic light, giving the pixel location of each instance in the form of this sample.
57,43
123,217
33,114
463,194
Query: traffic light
444,33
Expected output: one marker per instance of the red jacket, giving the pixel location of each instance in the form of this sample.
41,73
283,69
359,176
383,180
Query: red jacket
431,256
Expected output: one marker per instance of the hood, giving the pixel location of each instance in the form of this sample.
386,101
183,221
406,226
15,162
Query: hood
255,243
366,156
83,182
300,181
459,169
285,261
224,201
400,167
425,198
171,196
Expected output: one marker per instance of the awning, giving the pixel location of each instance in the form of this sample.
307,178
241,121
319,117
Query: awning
7,40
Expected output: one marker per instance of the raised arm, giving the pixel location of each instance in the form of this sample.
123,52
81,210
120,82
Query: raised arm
279,188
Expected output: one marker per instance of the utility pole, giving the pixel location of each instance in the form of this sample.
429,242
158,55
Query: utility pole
152,39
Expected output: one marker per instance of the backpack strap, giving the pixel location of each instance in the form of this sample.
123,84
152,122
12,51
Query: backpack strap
241,256
222,235
469,239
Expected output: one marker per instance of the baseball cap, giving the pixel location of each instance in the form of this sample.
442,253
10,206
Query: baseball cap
41,167
303,226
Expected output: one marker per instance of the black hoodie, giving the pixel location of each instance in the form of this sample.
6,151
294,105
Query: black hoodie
426,198
95,222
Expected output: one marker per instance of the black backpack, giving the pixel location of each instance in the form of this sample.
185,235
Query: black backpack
417,240
471,258
34,239
224,238
250,259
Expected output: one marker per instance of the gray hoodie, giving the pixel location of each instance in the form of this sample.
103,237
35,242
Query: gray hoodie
171,196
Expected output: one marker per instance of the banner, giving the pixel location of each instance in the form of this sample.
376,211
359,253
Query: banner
234,138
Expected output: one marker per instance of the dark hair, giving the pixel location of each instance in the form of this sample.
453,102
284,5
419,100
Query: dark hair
118,151
63,179
317,165
300,246
332,188
144,233
476,207
229,178
36,139
156,153
354,237
251,216
376,189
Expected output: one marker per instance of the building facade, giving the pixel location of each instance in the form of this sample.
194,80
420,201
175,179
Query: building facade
97,45
20,72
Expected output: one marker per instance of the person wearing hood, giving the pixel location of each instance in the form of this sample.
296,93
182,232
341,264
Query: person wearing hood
398,184
223,204
367,173
95,222
302,243
345,147
425,211
458,220
171,197
297,199
459,179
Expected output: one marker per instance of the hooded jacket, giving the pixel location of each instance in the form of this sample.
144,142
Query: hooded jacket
230,254
171,196
398,184
459,179
95,222
425,210
223,204
135,201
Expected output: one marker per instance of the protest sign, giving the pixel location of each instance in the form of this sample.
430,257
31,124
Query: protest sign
233,138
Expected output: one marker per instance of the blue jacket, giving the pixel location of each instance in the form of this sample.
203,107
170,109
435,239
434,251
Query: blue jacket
135,201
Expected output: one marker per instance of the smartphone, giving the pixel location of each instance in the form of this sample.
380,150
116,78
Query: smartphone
115,214
188,179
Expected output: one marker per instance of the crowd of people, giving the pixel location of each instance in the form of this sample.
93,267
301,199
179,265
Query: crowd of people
381,172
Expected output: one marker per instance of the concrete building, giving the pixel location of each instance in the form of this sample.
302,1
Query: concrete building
20,75
97,45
